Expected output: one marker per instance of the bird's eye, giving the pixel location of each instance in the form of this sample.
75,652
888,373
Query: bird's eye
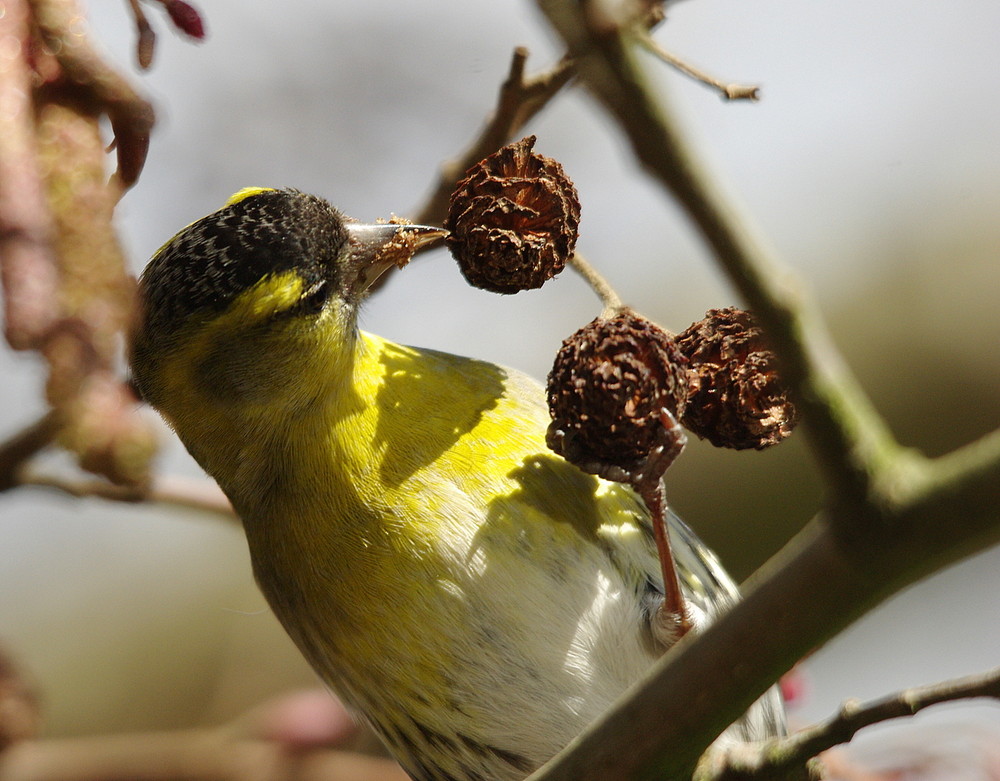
314,298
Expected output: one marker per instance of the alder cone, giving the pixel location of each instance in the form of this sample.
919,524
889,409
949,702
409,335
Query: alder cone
513,219
737,398
607,392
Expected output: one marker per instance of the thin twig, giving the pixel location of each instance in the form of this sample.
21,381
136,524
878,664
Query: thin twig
519,99
201,495
609,298
808,593
774,758
727,90
18,449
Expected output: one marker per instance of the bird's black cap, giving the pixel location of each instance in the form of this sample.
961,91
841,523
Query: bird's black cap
209,263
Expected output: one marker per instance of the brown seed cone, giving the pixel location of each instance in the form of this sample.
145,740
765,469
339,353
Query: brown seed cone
614,392
737,399
513,220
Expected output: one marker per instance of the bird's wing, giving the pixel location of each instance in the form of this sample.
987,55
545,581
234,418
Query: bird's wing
706,584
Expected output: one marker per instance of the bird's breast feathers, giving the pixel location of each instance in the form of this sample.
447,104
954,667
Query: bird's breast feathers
425,496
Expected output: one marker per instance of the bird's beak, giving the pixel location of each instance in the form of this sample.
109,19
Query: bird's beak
376,247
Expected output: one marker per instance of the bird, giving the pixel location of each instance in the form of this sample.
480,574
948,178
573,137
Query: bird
473,596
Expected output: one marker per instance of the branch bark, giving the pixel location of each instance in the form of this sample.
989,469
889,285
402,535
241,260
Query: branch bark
178,492
519,99
777,757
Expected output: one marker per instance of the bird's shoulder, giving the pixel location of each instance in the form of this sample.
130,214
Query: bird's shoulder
474,432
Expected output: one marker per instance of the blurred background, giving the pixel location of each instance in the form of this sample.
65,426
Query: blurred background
871,164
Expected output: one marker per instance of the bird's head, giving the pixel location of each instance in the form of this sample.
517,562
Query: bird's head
255,304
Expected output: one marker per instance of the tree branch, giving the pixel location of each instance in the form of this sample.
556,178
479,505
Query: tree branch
519,99
850,439
883,529
777,757
808,593
201,495
727,90
602,288
18,449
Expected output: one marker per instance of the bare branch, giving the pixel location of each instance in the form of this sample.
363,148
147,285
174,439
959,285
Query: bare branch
609,298
883,529
17,450
520,98
775,758
727,90
202,495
